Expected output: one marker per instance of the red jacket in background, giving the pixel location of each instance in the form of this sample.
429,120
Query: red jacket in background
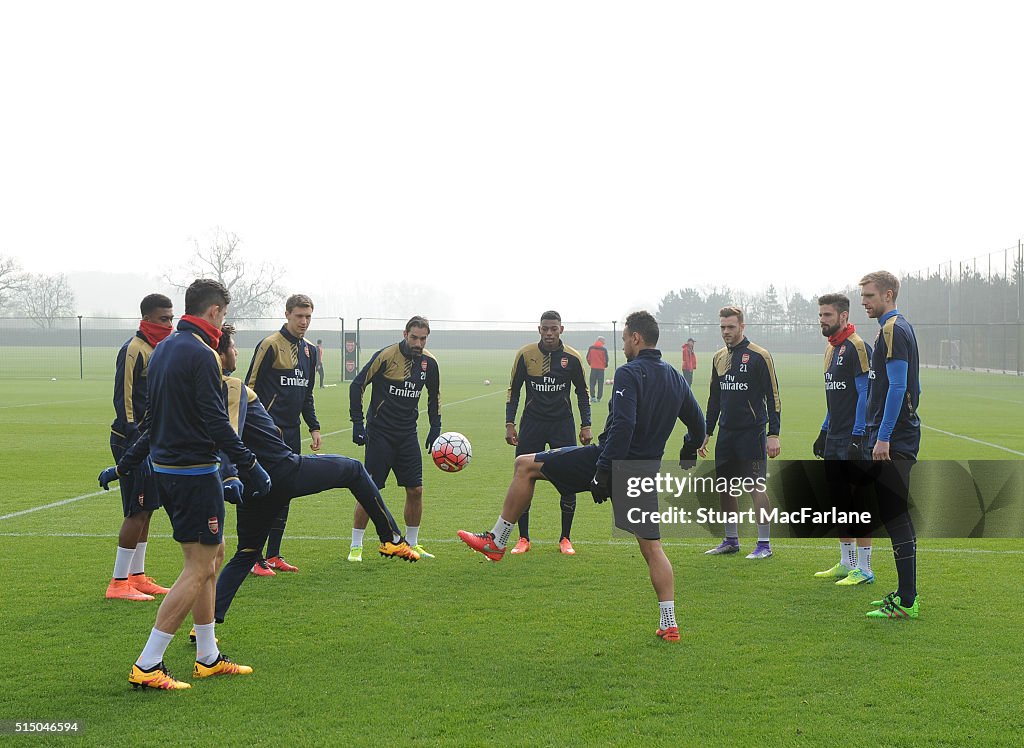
689,358
597,356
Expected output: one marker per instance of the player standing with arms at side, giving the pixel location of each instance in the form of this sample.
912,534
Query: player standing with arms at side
398,375
139,496
549,369
689,361
187,425
847,363
744,399
648,396
283,374
894,433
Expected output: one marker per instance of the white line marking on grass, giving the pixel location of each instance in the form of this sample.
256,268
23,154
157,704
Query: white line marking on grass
976,441
998,399
456,541
52,505
445,405
51,402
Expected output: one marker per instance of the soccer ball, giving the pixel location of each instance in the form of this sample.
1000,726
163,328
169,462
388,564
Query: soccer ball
451,451
487,381
608,381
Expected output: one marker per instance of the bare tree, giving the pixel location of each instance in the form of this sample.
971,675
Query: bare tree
12,281
254,287
46,298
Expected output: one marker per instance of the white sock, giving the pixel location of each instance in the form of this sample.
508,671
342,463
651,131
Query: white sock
764,532
357,537
668,614
732,530
139,560
864,558
847,555
123,562
153,653
501,532
206,643
412,534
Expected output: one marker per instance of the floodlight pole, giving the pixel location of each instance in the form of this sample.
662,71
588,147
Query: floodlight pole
341,371
81,356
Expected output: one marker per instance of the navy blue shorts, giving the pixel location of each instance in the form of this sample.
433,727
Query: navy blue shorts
400,454
570,469
195,504
838,448
741,453
536,435
138,490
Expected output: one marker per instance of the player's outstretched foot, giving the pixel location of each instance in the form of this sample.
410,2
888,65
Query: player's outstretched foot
121,589
262,569
725,547
564,546
192,636
761,550
401,549
422,552
893,608
839,571
147,585
482,543
278,563
857,576
355,554
156,677
221,666
671,634
522,546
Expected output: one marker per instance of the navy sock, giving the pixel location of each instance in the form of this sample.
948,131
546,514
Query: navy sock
524,525
277,532
568,506
904,549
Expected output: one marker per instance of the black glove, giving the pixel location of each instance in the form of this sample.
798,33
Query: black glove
233,491
435,431
688,455
108,476
359,433
856,451
256,480
819,445
601,485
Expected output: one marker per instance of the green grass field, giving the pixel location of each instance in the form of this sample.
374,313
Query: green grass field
537,650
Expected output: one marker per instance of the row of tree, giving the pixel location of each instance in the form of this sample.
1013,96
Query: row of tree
769,307
255,287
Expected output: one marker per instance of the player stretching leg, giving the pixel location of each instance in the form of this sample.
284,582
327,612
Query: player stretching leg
648,395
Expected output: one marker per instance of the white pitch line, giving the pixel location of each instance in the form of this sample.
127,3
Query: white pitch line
51,402
976,441
456,541
445,405
62,502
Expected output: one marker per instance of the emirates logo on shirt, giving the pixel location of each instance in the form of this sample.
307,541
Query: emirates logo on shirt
213,524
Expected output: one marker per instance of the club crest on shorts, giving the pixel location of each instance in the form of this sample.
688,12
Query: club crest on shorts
565,362
142,499
213,524
744,358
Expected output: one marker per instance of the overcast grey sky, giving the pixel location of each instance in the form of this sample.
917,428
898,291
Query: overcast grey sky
588,156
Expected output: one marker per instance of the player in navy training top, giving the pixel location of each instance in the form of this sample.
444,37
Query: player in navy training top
139,494
282,373
894,433
550,370
846,365
744,399
648,397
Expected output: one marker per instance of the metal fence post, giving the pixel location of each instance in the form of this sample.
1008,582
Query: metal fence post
81,355
341,369
359,341
615,346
